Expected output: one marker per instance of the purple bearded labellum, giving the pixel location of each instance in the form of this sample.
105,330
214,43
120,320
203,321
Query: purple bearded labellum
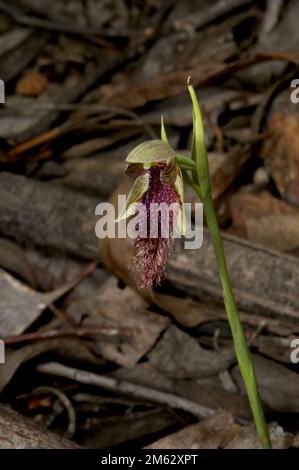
156,200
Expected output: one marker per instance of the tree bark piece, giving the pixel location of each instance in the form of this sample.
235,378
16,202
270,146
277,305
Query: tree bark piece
264,281
17,432
47,215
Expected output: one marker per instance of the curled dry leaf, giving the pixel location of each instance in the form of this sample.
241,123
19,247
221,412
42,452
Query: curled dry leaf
70,348
275,347
193,361
278,395
247,438
225,168
191,313
18,56
14,259
281,149
32,83
211,433
20,305
163,86
252,216
53,270
115,307
105,432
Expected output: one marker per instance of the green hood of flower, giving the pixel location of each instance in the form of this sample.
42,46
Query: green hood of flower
140,160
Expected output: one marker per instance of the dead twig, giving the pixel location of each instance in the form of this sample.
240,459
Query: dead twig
271,16
75,331
40,139
217,130
105,112
60,314
23,19
257,332
126,388
64,401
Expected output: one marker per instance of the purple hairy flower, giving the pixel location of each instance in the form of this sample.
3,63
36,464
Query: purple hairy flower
151,254
158,188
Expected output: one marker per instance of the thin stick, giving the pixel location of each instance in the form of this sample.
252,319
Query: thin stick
127,388
81,331
60,27
65,402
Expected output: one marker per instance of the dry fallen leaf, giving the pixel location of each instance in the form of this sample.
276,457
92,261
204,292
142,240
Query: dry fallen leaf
252,216
211,433
70,348
281,150
14,259
278,395
115,307
32,83
247,438
20,305
163,86
187,311
225,168
180,356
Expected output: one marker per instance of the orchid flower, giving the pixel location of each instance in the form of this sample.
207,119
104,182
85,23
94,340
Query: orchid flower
158,186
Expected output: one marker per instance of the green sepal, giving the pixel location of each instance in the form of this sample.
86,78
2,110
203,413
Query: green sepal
199,148
138,189
164,137
151,152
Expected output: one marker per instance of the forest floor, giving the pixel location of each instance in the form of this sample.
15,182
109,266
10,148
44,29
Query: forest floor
87,355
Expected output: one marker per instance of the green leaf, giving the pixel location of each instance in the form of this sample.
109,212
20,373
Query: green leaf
193,151
199,148
164,137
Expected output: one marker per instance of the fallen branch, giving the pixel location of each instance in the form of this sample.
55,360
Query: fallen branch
264,281
48,215
127,388
61,27
81,331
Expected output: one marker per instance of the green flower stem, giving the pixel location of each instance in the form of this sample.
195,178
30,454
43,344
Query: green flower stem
185,162
190,182
242,351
